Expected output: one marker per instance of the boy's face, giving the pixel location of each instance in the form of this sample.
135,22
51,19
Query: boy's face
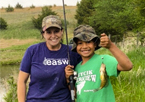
85,49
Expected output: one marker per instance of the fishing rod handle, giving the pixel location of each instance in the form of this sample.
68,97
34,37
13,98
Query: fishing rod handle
71,79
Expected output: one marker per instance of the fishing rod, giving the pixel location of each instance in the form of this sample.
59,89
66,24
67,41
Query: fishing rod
66,32
71,78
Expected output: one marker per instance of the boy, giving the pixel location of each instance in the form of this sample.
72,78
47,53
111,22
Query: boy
85,43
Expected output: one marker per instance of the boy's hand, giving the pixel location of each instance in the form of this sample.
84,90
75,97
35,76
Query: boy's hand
68,71
105,41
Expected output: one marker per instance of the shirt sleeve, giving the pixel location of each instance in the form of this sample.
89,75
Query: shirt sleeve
111,65
26,61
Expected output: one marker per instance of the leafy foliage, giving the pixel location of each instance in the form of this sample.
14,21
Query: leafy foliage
111,16
3,23
9,9
11,95
140,5
84,10
32,6
18,6
45,12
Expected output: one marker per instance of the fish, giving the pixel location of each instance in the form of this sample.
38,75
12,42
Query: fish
103,77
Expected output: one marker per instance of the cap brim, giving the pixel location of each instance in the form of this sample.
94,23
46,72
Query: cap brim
80,38
52,25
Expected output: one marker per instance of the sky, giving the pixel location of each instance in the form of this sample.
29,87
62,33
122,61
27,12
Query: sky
28,3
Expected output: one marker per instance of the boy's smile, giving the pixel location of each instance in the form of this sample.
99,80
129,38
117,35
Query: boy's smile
85,49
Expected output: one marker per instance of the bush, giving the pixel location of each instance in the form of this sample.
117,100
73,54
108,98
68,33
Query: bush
9,9
32,6
18,6
3,23
45,12
11,95
54,5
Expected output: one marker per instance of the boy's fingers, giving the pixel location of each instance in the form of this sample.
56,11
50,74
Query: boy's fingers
103,34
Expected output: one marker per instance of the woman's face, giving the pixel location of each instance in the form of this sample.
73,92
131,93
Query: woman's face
53,37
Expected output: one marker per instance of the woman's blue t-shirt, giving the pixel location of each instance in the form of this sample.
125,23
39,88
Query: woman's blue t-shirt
47,76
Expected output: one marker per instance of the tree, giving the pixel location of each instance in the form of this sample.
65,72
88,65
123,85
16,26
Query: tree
45,12
18,6
32,6
3,23
140,6
115,18
139,12
9,9
108,18
84,10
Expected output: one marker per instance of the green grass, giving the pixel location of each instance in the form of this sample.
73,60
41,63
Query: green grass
129,86
22,30
13,55
20,22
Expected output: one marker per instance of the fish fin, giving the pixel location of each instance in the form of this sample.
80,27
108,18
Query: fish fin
96,89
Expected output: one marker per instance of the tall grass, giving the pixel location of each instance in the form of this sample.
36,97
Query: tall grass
129,86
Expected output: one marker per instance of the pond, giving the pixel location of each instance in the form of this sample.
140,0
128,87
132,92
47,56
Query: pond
5,73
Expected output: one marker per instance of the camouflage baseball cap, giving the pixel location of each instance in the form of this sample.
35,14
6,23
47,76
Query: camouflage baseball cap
51,21
85,33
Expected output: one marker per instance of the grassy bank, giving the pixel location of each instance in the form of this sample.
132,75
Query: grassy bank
13,54
129,86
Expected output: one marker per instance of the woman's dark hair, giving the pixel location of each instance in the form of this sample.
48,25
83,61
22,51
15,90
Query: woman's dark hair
43,31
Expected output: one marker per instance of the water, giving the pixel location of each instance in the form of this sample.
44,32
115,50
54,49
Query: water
5,72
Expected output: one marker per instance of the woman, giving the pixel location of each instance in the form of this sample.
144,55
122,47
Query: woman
44,63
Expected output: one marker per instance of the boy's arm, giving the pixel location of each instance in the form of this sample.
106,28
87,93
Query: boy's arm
124,63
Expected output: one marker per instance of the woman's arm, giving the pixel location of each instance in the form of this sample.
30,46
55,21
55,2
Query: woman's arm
21,86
